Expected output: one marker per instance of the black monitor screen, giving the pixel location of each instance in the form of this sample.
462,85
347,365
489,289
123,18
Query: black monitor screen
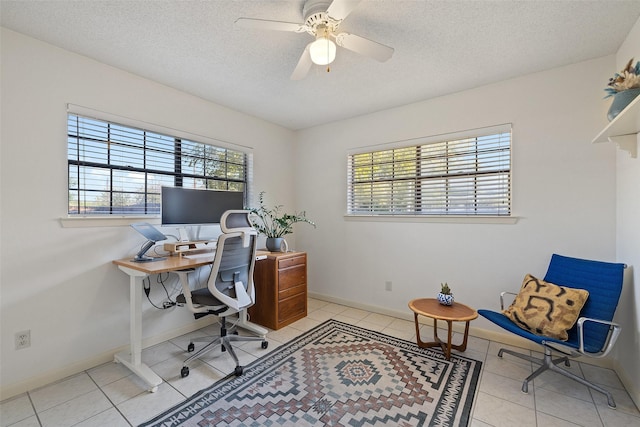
182,206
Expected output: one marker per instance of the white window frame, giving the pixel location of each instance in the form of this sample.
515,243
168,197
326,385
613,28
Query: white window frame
387,179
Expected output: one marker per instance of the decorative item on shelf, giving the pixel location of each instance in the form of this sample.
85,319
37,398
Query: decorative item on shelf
445,297
275,224
624,87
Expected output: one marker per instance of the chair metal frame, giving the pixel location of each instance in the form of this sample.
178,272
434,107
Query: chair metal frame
549,363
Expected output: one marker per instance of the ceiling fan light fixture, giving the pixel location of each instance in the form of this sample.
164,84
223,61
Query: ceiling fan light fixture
322,51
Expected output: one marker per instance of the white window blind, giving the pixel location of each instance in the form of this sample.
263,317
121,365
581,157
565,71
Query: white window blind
469,176
118,170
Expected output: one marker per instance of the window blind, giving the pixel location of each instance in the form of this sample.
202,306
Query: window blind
115,169
466,176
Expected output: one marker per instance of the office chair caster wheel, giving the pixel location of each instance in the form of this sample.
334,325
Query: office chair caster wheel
184,372
265,344
238,371
191,347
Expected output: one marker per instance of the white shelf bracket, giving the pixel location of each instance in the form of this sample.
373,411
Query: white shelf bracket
628,143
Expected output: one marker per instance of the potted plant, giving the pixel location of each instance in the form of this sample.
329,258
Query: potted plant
275,224
445,297
624,87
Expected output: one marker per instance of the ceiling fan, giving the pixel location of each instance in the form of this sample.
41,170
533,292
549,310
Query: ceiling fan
322,19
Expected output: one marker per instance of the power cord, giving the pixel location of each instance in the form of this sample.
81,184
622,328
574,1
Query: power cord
146,282
161,279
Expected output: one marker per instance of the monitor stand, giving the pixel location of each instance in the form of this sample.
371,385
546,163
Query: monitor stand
184,235
141,257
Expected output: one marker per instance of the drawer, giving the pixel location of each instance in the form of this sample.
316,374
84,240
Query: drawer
290,262
289,292
292,307
293,276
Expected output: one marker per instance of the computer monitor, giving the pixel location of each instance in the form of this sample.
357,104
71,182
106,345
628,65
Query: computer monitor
189,206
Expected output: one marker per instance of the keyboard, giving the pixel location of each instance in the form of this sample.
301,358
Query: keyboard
200,256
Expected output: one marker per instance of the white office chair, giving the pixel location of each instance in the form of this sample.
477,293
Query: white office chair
229,288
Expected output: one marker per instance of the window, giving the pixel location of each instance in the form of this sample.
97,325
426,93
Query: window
463,175
118,170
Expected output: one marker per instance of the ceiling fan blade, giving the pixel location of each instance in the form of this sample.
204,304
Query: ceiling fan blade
364,46
265,24
304,64
339,9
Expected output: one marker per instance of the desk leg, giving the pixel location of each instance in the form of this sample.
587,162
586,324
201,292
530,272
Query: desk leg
133,358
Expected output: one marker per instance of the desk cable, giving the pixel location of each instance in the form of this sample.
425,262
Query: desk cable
147,290
161,279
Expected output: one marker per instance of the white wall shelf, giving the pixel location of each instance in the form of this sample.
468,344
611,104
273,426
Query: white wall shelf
624,130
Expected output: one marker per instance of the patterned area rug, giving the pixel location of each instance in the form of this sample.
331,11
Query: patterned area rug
338,375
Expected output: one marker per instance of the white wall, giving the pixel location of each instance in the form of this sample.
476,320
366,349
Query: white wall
628,244
563,194
59,282
562,191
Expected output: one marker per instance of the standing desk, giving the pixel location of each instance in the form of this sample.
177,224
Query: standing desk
137,271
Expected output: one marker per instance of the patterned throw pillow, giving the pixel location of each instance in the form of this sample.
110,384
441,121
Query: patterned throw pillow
546,309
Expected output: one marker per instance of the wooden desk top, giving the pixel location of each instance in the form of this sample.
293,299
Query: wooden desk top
170,263
430,307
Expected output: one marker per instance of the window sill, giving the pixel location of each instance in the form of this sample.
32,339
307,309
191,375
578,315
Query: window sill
105,221
435,219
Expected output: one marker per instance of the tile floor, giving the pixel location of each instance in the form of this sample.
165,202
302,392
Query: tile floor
108,395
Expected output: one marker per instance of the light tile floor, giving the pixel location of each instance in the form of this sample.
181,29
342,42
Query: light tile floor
108,395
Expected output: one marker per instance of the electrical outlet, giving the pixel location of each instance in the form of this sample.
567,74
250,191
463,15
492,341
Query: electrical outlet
388,285
23,339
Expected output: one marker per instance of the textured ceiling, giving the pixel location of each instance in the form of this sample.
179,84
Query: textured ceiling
441,47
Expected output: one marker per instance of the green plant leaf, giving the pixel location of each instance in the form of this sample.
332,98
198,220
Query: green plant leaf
272,222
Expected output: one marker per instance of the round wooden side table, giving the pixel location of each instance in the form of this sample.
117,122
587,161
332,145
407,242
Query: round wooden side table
430,307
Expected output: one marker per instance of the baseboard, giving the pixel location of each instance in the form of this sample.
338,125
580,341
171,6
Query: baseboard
634,393
11,390
497,336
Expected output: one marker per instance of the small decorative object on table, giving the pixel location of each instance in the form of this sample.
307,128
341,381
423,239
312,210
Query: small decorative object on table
275,224
624,87
445,297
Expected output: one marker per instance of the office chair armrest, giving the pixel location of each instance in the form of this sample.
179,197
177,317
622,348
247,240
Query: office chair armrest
614,331
186,291
502,294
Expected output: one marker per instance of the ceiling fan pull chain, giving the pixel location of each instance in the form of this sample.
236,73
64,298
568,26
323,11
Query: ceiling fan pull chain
326,34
